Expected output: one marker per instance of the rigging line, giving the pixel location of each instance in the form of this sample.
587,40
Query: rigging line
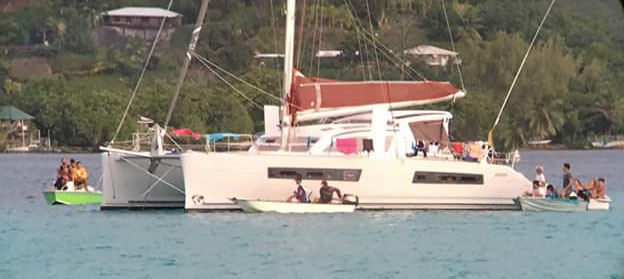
215,65
448,26
318,57
357,32
385,89
370,24
513,83
275,47
226,82
138,83
354,16
187,59
391,57
362,29
300,46
387,52
316,15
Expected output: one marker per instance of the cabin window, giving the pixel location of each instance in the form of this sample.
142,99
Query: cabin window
315,174
447,178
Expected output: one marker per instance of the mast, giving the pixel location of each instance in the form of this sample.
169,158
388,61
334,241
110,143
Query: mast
289,47
187,60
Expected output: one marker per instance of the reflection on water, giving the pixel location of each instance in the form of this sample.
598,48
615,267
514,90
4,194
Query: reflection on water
41,241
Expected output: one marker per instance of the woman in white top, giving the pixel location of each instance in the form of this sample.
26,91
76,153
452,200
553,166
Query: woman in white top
539,176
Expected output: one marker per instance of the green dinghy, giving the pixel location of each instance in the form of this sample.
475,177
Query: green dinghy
72,197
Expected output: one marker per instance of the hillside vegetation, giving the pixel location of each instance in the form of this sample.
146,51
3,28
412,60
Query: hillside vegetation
571,90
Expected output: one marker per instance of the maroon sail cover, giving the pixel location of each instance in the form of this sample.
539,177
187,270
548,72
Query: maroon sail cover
317,93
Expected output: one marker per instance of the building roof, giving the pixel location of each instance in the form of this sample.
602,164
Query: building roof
429,50
13,113
142,11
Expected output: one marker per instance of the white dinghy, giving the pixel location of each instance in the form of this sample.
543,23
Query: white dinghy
255,206
558,205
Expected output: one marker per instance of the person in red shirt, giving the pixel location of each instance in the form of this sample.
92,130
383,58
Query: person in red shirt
458,149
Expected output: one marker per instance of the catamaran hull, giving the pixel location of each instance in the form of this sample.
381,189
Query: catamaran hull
129,184
380,183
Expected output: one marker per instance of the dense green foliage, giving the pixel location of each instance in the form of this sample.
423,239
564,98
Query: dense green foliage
570,90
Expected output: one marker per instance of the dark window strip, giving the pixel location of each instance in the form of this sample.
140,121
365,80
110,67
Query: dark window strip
447,178
316,174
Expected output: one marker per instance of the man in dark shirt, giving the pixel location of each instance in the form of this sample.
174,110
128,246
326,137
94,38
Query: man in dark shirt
327,192
567,175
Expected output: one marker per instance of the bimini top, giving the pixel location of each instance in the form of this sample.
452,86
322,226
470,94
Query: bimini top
313,93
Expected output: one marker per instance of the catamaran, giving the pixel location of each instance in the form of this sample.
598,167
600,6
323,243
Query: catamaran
349,133
364,150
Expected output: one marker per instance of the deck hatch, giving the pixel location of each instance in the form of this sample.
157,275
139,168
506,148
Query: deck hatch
422,177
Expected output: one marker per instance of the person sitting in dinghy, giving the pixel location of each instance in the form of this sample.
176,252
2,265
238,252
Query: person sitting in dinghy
301,193
327,193
601,189
571,191
551,193
536,193
62,176
81,176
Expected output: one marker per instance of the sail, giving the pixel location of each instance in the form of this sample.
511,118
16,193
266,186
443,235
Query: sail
314,94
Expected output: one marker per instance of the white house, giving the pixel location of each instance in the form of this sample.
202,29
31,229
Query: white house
434,56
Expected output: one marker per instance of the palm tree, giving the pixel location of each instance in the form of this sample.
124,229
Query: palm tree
544,116
513,135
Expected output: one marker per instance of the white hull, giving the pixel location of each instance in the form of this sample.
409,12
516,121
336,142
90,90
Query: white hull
539,142
383,183
608,144
128,184
289,207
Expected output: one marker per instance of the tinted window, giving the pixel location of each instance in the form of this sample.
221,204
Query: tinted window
447,177
316,173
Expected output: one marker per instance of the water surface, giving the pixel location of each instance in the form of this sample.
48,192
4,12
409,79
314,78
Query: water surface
42,241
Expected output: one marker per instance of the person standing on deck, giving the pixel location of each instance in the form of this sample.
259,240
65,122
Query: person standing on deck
567,175
539,176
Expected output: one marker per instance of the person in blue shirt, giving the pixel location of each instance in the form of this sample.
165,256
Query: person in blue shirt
551,193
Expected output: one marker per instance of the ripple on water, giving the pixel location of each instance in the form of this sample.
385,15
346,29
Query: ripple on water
386,244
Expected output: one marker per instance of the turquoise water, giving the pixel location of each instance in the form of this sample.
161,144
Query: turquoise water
41,241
